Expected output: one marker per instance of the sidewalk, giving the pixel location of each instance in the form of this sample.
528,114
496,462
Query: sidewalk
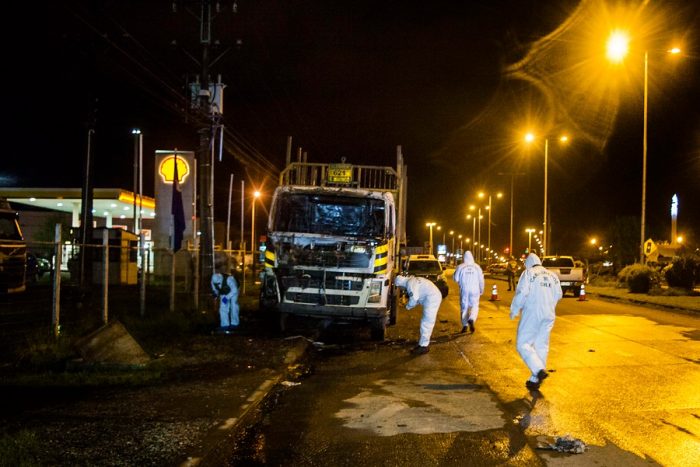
689,304
167,414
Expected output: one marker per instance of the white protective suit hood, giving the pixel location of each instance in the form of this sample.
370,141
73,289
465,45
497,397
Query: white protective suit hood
532,260
468,258
401,281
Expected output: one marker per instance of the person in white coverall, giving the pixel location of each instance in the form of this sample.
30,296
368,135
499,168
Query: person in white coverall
470,278
422,291
228,302
537,294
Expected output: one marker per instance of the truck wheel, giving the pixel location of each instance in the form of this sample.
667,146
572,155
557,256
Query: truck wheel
378,329
392,309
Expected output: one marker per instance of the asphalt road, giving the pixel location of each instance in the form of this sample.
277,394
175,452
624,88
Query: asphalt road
625,381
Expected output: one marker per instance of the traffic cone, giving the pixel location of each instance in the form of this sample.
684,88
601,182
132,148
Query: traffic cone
494,294
582,295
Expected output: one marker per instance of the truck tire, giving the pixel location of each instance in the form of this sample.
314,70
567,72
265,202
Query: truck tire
392,308
378,328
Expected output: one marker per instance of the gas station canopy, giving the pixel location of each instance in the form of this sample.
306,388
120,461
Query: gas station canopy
107,202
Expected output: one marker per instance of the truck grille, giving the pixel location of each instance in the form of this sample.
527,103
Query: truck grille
316,281
321,299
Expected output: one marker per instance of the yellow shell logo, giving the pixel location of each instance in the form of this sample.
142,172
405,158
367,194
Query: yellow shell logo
167,169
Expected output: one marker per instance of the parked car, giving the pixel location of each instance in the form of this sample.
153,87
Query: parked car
36,267
570,275
497,268
429,267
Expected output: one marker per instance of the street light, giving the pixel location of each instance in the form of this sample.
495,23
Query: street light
617,48
138,176
529,138
452,234
499,195
431,225
256,195
529,239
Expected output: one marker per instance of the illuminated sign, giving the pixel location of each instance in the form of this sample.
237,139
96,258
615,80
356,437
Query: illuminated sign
340,173
674,206
167,169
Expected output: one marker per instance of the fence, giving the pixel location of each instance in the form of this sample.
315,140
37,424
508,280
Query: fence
79,286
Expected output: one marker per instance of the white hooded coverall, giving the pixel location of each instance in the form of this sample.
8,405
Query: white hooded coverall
422,291
228,304
470,278
537,295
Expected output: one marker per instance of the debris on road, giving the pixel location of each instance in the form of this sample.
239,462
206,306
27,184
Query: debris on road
289,383
565,444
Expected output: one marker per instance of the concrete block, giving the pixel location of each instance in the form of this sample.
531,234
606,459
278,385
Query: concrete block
112,344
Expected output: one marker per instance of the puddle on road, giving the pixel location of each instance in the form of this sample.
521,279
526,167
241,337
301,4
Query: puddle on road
440,405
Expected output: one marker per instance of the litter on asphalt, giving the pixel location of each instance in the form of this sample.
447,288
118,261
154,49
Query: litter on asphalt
565,444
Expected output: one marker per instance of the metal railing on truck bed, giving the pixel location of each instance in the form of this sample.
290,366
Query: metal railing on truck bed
340,175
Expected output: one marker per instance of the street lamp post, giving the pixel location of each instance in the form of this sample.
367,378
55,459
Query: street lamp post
563,139
617,49
473,218
452,234
431,225
479,232
490,209
256,195
529,239
138,145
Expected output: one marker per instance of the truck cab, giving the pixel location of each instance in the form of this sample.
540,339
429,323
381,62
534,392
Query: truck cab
332,246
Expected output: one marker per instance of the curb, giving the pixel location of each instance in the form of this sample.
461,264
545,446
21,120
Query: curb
210,452
631,301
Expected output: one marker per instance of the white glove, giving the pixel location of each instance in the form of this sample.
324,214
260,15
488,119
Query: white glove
514,314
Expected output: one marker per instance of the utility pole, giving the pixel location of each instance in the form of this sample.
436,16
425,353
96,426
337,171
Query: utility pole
207,100
86,203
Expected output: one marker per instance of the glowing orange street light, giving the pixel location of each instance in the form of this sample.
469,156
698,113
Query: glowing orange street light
617,49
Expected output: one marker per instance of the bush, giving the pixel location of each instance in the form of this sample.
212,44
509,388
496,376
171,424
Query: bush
684,272
639,278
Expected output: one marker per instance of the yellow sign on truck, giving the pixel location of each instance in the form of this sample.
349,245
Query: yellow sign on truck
340,173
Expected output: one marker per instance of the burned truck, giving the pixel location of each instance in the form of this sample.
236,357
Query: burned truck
334,236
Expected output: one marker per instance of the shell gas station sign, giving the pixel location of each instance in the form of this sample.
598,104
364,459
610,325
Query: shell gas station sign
164,174
166,168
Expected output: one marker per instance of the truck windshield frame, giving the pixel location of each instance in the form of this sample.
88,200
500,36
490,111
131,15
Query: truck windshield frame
350,216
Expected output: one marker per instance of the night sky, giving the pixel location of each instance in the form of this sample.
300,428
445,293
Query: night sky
456,84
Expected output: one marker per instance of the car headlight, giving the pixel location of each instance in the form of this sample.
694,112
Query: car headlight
375,292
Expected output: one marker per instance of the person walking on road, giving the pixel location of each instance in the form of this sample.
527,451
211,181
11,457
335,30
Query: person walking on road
537,295
511,267
470,278
225,288
422,291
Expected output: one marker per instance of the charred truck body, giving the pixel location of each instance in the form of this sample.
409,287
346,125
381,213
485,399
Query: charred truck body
334,234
